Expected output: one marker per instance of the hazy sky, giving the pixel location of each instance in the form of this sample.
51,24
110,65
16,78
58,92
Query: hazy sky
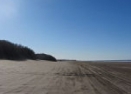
73,29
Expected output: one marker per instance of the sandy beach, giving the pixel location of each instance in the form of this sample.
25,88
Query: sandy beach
69,77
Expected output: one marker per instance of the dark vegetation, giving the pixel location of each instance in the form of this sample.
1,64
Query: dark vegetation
45,57
13,51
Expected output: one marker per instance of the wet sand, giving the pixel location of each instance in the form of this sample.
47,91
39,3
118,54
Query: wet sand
70,77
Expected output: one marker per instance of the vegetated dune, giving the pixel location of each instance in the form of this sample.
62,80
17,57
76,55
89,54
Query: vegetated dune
45,77
45,57
13,51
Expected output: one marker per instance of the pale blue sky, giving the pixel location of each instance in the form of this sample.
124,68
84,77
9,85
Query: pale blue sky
69,29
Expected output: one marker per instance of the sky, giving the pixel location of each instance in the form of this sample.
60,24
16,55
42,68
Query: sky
69,29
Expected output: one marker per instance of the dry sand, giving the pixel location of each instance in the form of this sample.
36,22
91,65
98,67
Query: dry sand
43,77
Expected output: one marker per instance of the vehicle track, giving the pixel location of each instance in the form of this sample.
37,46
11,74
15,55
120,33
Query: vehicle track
42,77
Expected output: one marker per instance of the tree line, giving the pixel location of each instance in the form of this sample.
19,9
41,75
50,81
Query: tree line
13,51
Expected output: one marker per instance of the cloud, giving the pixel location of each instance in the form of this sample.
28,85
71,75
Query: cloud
8,8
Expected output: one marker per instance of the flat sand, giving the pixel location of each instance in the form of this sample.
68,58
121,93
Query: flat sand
44,77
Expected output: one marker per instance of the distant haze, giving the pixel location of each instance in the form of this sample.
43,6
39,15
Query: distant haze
69,29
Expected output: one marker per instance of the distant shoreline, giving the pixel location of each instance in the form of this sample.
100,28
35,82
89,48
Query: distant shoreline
113,60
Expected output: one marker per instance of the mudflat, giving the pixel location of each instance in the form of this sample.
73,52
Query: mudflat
69,77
